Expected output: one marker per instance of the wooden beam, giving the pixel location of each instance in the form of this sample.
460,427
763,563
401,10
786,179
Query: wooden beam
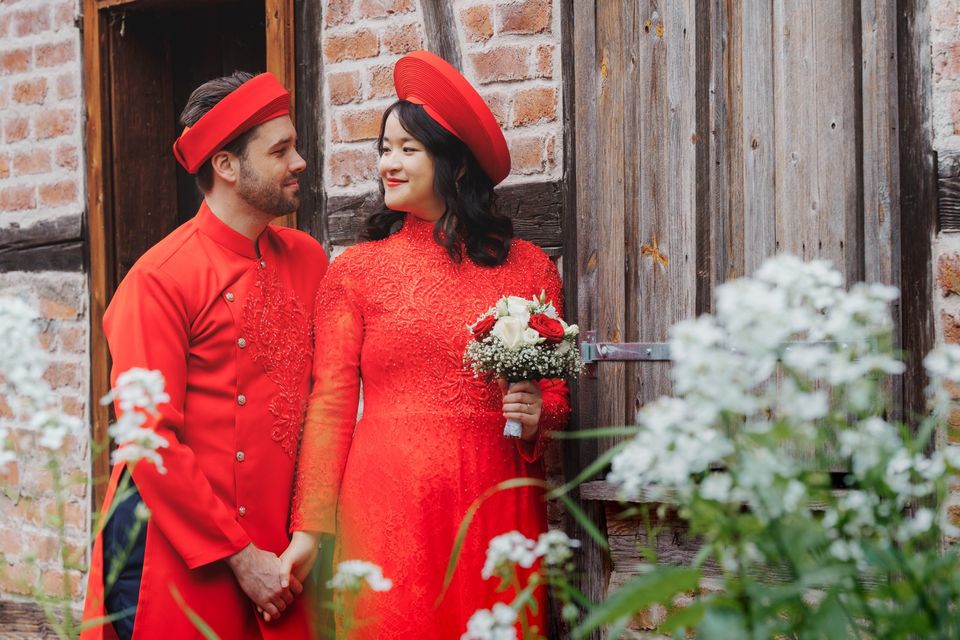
49,245
441,28
310,118
25,620
281,60
948,191
100,257
536,210
918,197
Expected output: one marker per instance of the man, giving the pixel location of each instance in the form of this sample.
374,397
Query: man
222,308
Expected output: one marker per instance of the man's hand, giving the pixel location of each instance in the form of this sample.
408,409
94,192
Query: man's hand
300,555
260,576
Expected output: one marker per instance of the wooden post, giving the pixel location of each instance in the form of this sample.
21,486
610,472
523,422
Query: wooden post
281,60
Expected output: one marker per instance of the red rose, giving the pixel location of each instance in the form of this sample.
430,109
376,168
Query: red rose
550,329
483,327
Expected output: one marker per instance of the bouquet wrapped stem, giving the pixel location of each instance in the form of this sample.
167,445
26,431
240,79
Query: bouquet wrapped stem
521,339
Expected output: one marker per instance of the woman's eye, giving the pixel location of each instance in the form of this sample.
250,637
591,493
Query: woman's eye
408,149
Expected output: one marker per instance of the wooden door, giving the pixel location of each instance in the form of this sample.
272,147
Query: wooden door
708,136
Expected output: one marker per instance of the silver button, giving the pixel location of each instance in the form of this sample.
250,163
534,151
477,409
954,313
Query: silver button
242,342
229,296
241,456
241,399
242,511
263,264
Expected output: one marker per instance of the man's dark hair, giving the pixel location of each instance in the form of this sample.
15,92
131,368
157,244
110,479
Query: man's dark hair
200,102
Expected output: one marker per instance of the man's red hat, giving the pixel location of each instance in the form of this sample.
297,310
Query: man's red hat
256,101
424,78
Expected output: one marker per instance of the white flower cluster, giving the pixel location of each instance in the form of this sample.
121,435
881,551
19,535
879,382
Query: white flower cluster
351,575
943,366
514,548
514,350
496,624
22,382
138,392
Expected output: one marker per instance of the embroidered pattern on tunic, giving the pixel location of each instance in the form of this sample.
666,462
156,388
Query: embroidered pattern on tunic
278,331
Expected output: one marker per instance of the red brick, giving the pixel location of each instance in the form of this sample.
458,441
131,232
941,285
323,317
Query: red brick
948,274
32,161
355,45
953,427
5,21
477,23
499,104
501,63
18,578
53,309
16,128
66,86
344,87
53,55
75,514
338,11
380,82
9,474
58,193
951,328
526,155
352,166
31,21
545,61
384,8
360,124
15,61
66,156
53,123
335,131
534,105
402,39
550,151
52,583
946,16
17,199
71,339
62,374
4,167
527,16
64,15
30,91
73,406
946,60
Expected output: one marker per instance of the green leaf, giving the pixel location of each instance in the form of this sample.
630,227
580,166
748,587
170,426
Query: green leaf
588,434
589,471
722,623
585,522
660,585
686,618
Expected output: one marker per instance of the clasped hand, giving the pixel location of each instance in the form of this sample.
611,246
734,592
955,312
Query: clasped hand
261,575
523,401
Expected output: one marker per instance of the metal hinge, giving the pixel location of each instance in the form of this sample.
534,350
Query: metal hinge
592,351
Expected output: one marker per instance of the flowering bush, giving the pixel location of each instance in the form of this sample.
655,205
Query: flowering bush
347,583
791,361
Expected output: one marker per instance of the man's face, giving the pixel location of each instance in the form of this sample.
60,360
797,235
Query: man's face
269,168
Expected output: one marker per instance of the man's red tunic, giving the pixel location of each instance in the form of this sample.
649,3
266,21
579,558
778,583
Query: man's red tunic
230,331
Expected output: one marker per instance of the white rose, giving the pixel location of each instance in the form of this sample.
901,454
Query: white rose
564,346
551,312
502,309
509,330
519,308
571,330
531,337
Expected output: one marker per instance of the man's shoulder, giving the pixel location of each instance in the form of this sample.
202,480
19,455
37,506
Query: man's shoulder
296,240
172,251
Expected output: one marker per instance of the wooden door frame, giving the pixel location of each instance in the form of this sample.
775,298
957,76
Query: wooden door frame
280,61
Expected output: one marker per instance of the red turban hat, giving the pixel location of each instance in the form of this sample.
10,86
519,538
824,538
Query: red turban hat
256,101
426,79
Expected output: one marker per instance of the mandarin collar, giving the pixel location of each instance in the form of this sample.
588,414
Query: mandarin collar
218,231
417,228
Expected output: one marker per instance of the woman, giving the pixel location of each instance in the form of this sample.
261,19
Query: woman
394,313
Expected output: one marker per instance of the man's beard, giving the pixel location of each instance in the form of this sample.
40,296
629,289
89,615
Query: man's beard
266,197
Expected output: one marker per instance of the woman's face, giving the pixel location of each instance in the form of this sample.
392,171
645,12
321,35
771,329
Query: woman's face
407,173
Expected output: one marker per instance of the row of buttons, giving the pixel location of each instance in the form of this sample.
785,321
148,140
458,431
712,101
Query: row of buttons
229,294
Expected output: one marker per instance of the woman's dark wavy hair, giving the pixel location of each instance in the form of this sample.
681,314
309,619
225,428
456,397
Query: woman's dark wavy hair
470,221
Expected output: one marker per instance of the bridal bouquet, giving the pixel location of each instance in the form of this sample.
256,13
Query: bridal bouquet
522,339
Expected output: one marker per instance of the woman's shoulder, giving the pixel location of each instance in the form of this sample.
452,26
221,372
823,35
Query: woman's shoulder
527,254
357,259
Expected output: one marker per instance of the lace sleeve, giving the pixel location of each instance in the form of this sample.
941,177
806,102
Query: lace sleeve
332,408
555,394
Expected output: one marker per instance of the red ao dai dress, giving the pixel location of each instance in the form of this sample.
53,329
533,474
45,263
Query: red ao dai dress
396,485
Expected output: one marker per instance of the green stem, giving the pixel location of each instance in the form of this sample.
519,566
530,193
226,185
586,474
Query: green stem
522,613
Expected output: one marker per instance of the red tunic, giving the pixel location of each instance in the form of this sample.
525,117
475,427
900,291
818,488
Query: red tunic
394,313
230,331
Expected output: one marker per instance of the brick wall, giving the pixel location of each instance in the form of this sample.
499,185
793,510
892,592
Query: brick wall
41,178
510,51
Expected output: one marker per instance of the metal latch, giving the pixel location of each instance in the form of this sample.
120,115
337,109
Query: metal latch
592,351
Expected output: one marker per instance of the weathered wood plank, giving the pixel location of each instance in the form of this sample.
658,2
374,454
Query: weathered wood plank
281,60
918,194
585,71
22,620
948,191
63,256
536,210
441,31
43,232
310,118
756,162
99,226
